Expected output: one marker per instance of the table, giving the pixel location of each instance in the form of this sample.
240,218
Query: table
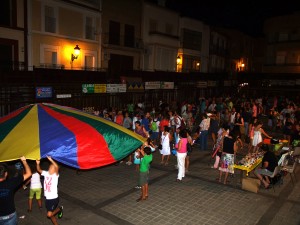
248,169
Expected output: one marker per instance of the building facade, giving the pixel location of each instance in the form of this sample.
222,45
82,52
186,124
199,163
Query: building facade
218,51
160,33
55,28
13,29
282,44
194,45
121,36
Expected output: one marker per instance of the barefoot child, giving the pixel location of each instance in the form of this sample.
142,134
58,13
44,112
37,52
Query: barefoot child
146,153
50,190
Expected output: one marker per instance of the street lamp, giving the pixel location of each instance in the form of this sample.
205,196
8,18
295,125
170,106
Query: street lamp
178,60
76,53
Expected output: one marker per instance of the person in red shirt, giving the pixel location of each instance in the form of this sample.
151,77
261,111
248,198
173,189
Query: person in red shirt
119,118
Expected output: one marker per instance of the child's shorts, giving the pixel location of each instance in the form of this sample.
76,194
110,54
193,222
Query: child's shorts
51,204
35,191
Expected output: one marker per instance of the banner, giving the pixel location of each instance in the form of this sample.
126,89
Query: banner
152,85
135,87
167,85
227,83
43,92
212,83
100,88
201,84
93,88
115,88
88,88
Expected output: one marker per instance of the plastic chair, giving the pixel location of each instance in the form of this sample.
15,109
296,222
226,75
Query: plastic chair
275,173
291,170
296,152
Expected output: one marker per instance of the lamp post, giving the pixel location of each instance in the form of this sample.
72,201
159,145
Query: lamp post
76,53
179,63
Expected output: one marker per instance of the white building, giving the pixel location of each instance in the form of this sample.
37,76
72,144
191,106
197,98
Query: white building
160,34
194,45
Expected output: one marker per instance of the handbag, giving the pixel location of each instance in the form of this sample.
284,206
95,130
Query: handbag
160,146
189,147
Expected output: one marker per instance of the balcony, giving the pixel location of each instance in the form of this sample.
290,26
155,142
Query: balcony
282,68
216,50
122,41
11,66
157,33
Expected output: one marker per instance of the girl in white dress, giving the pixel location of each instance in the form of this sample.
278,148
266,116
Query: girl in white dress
166,149
257,138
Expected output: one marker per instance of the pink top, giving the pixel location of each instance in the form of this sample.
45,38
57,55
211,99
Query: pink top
184,142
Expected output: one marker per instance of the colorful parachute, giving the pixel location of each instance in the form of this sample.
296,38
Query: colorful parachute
68,135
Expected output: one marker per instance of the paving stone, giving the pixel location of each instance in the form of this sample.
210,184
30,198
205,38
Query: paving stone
107,196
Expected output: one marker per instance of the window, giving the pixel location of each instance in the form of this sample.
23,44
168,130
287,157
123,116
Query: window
114,33
283,37
49,57
192,40
169,29
129,36
152,25
89,62
6,13
89,28
280,57
90,59
50,19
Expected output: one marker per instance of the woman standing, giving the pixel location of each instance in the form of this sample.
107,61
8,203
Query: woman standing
227,158
257,138
181,155
188,154
239,126
251,133
165,143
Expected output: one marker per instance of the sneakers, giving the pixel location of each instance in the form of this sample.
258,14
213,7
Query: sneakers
61,213
138,187
128,163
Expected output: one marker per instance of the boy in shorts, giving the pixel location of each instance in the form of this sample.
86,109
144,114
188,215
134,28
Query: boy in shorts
50,190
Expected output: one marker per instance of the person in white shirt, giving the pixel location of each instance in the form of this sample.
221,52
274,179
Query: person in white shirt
212,107
50,190
203,135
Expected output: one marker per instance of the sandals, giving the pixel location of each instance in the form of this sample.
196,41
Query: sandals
141,199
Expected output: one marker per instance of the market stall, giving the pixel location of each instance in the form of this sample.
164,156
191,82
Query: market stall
249,162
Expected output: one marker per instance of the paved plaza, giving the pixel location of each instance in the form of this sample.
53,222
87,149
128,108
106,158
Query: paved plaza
107,196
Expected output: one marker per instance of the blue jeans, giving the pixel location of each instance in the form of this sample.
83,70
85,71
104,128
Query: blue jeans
12,220
203,140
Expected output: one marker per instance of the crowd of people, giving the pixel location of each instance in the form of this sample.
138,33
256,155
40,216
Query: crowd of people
172,129
231,123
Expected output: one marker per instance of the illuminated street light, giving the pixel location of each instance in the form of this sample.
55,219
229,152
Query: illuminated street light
76,53
178,60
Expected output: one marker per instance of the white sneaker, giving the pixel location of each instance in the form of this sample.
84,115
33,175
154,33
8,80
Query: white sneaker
129,163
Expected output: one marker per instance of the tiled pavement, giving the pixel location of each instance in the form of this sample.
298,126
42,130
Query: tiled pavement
107,196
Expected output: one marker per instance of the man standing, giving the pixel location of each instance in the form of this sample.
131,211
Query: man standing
8,215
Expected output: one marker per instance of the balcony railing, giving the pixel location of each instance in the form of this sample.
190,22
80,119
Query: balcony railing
122,41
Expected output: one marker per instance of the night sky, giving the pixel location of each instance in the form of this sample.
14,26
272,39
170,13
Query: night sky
246,16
